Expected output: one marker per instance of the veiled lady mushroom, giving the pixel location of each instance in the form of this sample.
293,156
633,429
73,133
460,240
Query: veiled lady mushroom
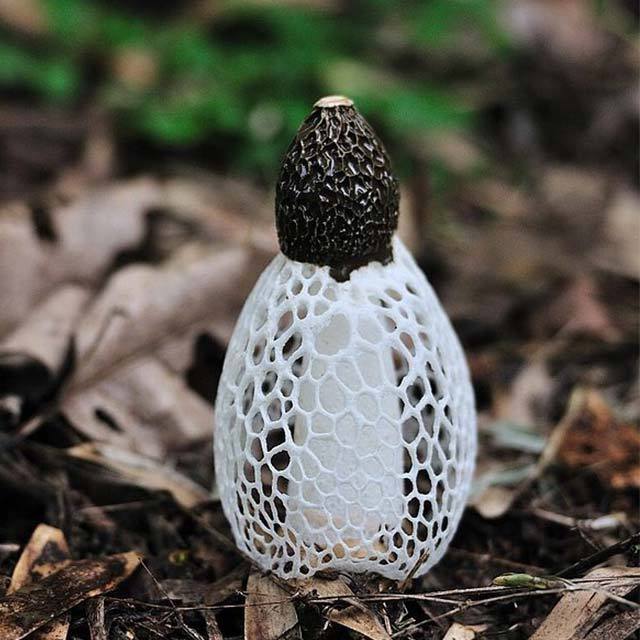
345,423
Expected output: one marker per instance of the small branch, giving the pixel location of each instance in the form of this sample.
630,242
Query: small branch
578,568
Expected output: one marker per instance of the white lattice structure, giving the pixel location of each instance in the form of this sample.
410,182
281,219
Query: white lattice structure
345,425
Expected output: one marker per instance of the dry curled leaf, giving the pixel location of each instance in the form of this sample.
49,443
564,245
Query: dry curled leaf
44,554
123,392
142,472
46,547
459,631
619,252
269,612
622,625
34,605
143,406
590,435
224,209
356,616
42,342
573,617
143,307
108,220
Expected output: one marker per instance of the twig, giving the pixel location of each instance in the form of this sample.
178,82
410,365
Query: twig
424,556
188,630
578,568
581,584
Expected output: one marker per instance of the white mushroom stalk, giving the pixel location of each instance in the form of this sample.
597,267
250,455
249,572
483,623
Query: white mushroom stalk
345,424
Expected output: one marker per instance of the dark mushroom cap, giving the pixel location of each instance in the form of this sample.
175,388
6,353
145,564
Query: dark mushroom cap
336,197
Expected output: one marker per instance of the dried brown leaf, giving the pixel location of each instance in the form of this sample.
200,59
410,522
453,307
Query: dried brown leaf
356,617
269,612
576,611
46,546
566,32
143,407
362,621
495,501
121,394
144,307
226,586
590,435
22,265
44,554
109,220
225,209
619,252
623,625
577,309
529,395
44,338
142,472
459,631
89,233
34,605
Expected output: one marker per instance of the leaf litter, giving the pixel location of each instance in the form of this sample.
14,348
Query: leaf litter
119,297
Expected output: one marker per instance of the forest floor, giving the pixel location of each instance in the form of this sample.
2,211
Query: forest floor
113,330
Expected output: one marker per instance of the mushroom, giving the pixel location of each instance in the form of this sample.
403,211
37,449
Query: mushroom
345,429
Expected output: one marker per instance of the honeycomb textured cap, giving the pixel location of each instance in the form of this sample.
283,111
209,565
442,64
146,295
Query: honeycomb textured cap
336,196
345,425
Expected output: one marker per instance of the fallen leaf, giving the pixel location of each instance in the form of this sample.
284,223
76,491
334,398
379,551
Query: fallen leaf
457,151
500,197
356,617
269,612
589,435
109,220
144,407
43,555
21,265
525,402
497,486
566,189
46,546
43,339
619,251
226,586
143,307
137,338
578,310
225,209
459,631
35,605
142,472
566,32
576,611
507,435
622,625
362,621
494,501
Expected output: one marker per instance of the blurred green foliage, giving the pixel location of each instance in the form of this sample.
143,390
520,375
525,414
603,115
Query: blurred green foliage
248,74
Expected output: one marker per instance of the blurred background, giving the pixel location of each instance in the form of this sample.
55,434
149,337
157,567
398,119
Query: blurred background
140,141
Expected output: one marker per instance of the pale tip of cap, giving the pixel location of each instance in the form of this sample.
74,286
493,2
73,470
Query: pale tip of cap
333,101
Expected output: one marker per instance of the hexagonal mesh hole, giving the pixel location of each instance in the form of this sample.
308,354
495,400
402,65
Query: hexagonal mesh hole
345,423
